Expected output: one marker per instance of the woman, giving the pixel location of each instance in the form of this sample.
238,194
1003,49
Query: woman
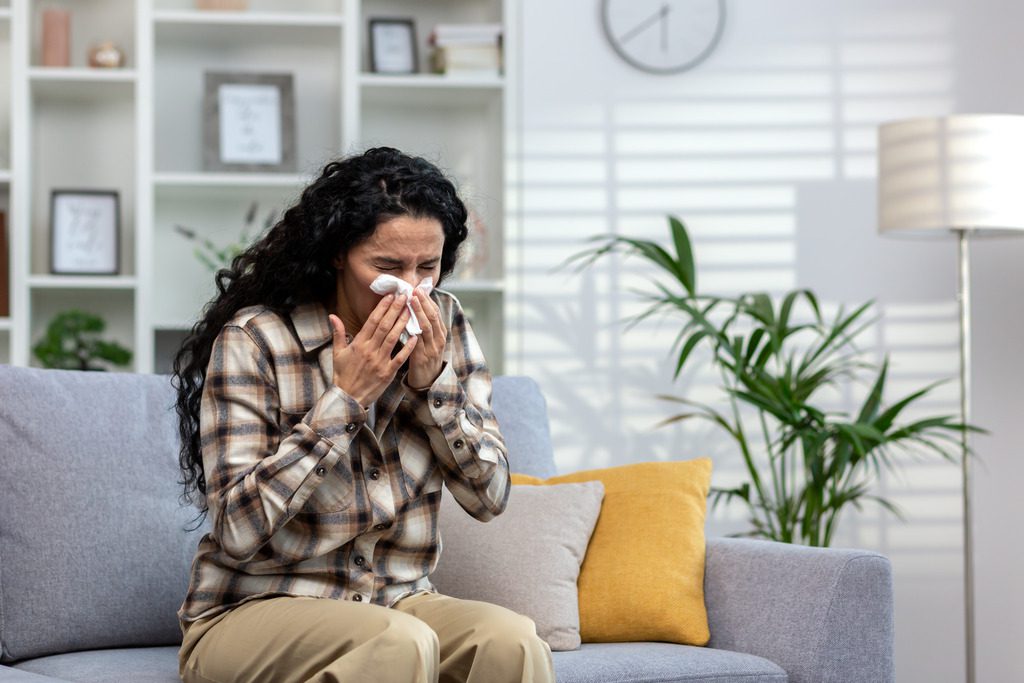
319,442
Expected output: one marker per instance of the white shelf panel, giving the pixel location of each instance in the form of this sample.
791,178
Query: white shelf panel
282,19
474,286
80,83
81,282
5,324
431,81
245,180
431,90
91,74
5,13
5,176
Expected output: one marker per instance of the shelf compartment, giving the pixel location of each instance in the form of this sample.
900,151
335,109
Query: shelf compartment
80,145
91,22
462,135
485,313
114,306
182,284
166,343
185,52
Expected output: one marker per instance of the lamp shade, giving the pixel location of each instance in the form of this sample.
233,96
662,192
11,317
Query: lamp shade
963,172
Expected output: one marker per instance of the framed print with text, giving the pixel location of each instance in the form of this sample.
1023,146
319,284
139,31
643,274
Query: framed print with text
393,46
248,122
85,232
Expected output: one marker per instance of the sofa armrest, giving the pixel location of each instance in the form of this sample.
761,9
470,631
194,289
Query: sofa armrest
9,675
824,615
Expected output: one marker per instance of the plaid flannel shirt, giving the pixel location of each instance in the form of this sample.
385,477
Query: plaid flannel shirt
304,497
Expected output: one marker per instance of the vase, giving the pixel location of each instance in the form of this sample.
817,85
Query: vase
56,37
106,55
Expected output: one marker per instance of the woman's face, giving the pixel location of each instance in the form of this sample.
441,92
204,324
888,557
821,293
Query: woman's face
406,247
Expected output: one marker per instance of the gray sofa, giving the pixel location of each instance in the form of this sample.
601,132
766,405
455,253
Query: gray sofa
94,561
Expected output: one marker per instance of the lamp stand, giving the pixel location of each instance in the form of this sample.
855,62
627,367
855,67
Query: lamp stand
964,298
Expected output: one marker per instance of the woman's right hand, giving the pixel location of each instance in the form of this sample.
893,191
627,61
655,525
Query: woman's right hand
365,368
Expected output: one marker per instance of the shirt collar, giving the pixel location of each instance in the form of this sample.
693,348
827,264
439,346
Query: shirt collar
311,324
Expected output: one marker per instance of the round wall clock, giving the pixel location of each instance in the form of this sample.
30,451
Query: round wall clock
663,36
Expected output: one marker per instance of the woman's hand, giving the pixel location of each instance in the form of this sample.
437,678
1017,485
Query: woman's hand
365,368
428,358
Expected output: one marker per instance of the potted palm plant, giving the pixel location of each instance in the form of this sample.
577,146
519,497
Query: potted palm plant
813,463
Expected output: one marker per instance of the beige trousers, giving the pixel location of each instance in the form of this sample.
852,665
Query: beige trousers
424,638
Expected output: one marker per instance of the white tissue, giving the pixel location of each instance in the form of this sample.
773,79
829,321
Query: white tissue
389,284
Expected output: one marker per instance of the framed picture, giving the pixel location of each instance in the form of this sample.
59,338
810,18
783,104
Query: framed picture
393,46
85,232
248,122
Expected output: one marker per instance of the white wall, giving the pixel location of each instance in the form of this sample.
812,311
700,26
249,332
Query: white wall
767,150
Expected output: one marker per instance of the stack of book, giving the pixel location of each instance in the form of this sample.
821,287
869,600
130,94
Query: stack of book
466,49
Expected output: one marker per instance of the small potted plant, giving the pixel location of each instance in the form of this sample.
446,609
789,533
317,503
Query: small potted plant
71,343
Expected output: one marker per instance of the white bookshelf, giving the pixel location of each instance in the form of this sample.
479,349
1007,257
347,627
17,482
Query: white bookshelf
138,130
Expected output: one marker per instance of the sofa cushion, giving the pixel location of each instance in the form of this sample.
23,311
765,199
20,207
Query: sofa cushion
93,551
592,663
643,577
127,665
539,541
661,663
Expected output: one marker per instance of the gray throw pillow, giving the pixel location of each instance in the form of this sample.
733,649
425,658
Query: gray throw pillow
527,558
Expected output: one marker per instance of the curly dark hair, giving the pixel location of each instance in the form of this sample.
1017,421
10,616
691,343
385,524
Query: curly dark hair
292,265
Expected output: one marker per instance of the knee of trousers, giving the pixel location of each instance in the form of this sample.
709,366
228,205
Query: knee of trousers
406,633
508,635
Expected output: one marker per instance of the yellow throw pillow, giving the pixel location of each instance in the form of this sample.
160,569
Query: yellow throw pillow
643,575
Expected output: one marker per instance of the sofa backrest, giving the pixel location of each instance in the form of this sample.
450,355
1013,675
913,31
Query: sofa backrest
522,414
93,552
92,548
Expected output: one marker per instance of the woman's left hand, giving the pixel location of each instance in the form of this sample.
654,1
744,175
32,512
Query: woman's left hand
428,357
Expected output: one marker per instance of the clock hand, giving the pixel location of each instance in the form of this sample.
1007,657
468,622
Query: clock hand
659,15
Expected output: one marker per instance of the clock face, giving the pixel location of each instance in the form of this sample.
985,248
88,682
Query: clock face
663,36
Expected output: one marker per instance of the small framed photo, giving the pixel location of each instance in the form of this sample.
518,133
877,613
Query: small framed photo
248,122
85,232
393,46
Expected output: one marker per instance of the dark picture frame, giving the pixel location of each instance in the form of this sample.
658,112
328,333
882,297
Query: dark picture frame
393,48
85,232
248,122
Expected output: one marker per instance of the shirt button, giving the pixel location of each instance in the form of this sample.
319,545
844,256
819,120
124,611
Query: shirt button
438,403
351,427
375,474
458,443
360,561
321,471
358,598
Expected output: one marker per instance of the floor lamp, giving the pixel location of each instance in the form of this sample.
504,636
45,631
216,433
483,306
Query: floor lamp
961,175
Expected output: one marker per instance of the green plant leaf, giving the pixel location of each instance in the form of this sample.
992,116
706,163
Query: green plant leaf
684,256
